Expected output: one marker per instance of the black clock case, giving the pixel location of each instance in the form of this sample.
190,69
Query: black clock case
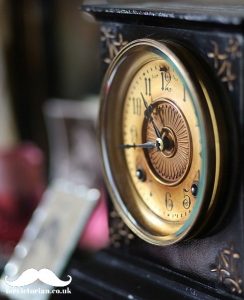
209,266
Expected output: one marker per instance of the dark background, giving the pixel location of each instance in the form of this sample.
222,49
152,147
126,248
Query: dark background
50,51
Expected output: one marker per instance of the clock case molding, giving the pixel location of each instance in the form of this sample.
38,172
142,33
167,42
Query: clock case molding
210,266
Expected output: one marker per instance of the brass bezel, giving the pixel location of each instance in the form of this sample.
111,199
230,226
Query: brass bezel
136,215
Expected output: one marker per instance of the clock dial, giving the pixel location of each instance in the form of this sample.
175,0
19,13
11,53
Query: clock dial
169,172
160,141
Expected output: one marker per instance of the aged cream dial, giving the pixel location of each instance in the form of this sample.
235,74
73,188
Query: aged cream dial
169,173
160,141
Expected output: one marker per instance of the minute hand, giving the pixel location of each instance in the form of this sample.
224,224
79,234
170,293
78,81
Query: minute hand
147,145
147,113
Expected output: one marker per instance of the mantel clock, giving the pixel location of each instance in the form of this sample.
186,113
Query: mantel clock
171,141
161,140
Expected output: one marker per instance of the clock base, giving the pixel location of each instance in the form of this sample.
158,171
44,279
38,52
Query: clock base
110,274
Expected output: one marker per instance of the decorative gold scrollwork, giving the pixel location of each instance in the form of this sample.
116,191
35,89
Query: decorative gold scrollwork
226,269
114,43
223,60
119,233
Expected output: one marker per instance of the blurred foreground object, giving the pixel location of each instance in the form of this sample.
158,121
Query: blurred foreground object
72,140
21,186
50,237
74,156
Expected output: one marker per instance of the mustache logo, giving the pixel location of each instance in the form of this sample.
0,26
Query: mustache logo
44,275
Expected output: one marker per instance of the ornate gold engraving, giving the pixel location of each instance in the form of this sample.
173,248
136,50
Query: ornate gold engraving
223,60
227,269
119,233
114,43
233,48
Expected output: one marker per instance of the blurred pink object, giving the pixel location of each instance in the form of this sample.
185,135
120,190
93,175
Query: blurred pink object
96,233
21,187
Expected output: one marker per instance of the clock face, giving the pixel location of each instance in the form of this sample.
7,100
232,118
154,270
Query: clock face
160,141
166,178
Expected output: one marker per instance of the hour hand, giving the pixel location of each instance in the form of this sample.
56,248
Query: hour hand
148,110
147,145
148,113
